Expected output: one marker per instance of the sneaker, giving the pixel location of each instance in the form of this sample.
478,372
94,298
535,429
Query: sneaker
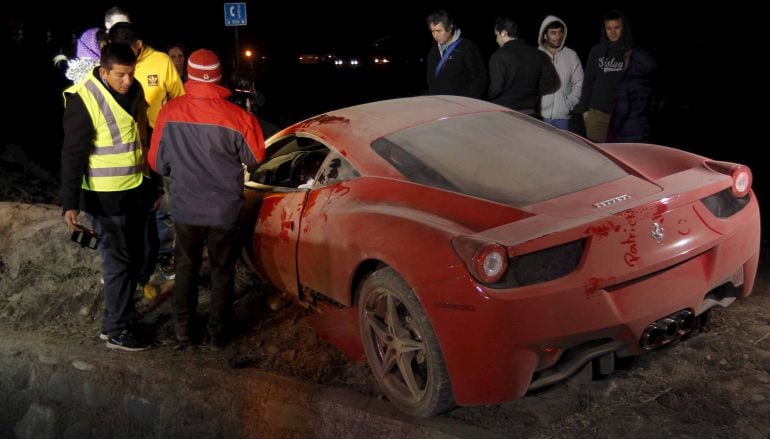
166,267
104,336
127,341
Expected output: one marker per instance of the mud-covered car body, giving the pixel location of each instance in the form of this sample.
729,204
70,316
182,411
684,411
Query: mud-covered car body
485,253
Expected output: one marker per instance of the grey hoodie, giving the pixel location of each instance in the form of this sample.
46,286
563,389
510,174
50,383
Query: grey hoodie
567,63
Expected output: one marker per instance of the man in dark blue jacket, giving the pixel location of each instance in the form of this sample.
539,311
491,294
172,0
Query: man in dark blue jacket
454,64
630,121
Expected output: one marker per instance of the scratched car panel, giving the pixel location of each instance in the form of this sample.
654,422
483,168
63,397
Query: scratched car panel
632,239
470,254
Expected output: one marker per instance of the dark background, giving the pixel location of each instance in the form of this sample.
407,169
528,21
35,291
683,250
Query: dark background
703,84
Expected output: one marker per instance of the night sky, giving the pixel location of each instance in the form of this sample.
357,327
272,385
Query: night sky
323,24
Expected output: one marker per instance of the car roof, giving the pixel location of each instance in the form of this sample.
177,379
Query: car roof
351,130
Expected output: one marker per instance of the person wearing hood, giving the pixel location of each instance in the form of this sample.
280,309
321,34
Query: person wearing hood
200,140
454,64
604,70
556,107
518,73
88,49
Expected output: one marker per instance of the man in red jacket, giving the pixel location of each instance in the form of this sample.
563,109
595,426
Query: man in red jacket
201,141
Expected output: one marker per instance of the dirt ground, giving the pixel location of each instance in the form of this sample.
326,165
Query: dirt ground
716,384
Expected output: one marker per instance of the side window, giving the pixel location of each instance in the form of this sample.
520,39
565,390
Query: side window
304,168
334,170
290,162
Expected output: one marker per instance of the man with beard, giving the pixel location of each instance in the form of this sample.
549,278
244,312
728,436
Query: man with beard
556,107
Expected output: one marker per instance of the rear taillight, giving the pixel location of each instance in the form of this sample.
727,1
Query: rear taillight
486,261
740,174
741,181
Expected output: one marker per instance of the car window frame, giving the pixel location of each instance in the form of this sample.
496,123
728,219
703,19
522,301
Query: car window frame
346,168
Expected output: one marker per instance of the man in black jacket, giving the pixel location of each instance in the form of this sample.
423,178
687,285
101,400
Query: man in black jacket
103,173
519,74
454,64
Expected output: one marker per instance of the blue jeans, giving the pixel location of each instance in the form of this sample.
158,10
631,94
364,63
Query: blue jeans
123,250
558,123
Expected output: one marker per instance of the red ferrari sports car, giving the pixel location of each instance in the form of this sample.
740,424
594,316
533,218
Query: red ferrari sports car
481,253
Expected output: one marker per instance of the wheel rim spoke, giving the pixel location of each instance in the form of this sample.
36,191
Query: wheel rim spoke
389,360
407,373
409,345
392,316
379,328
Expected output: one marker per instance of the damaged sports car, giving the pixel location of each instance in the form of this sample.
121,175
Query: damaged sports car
472,254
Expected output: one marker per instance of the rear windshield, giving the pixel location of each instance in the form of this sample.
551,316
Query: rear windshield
503,157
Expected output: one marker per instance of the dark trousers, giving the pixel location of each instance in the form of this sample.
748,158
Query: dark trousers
150,249
122,248
165,224
223,251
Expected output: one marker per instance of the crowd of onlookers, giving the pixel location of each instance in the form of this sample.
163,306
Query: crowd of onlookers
611,97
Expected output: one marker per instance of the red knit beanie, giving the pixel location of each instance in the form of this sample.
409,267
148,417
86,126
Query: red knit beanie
203,66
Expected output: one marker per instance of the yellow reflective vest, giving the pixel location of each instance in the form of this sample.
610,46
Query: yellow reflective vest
116,161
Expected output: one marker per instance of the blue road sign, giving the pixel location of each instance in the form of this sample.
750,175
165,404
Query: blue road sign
235,14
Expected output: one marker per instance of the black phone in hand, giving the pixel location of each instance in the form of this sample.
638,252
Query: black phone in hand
85,237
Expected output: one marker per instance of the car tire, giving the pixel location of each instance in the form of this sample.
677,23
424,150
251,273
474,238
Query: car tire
403,353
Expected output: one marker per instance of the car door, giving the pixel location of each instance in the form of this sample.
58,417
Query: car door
321,249
276,207
275,237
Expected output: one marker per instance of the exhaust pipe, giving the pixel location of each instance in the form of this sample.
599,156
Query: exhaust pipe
652,337
666,329
686,321
669,327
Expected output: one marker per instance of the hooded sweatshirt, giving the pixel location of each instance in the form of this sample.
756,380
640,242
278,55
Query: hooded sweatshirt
567,64
604,70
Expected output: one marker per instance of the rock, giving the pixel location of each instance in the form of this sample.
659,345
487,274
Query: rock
38,423
59,387
82,365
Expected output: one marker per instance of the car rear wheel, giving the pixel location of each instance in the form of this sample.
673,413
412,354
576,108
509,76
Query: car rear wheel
401,347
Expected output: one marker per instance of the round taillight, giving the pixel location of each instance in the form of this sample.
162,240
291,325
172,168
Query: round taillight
741,181
490,263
